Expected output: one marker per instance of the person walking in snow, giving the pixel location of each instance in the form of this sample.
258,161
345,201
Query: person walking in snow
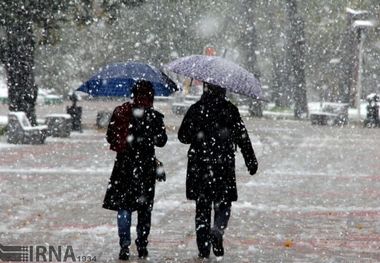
213,127
135,129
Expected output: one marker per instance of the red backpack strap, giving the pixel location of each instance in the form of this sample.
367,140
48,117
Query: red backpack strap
117,131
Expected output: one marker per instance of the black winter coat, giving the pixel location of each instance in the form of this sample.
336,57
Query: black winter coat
212,127
132,182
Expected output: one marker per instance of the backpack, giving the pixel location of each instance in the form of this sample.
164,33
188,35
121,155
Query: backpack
117,131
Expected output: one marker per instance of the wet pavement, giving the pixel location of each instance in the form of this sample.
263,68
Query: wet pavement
315,197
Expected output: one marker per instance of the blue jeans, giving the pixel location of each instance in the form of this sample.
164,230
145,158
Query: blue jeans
124,221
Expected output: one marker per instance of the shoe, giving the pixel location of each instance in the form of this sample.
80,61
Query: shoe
124,253
217,243
143,252
203,255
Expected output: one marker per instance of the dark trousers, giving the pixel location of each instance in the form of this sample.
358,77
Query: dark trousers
124,220
222,212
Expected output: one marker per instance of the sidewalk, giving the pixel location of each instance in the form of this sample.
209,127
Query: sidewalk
314,199
91,108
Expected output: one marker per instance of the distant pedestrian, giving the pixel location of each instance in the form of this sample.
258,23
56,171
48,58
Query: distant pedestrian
75,112
134,130
372,118
31,99
213,127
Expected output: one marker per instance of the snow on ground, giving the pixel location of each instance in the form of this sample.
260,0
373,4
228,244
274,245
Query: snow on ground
3,91
91,108
3,120
314,199
3,84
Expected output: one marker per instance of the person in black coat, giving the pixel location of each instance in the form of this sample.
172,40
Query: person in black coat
132,183
213,127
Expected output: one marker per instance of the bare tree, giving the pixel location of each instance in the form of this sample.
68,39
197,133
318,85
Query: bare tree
281,81
248,43
18,51
18,18
297,58
349,54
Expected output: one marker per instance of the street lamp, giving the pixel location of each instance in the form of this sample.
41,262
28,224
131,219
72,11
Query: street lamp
361,26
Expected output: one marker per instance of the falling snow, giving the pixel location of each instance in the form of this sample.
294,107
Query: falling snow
314,66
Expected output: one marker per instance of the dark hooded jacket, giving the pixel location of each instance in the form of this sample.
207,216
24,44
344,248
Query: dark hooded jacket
132,182
213,127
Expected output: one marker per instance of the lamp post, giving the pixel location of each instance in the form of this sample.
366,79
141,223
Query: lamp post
361,26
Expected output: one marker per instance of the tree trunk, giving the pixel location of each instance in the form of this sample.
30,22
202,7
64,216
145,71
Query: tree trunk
349,61
281,73
19,66
282,92
248,42
297,58
248,38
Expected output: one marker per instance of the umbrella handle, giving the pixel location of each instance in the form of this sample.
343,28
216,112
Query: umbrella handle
224,53
262,99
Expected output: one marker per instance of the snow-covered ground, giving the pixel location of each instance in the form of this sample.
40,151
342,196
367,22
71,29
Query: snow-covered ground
90,109
353,113
314,199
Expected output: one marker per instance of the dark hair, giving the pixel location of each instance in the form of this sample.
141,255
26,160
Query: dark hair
142,87
212,89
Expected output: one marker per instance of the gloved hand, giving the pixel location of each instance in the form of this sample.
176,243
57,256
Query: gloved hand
160,172
161,177
252,170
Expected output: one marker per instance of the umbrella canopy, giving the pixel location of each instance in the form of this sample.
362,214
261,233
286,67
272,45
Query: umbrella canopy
116,80
218,71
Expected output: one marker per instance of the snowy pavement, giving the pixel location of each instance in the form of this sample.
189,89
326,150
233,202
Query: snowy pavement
314,199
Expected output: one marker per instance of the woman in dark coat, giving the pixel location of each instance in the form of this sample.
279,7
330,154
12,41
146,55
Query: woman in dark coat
134,130
213,128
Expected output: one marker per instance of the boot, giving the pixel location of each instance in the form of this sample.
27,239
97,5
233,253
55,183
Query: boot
217,243
143,252
124,253
204,254
141,245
